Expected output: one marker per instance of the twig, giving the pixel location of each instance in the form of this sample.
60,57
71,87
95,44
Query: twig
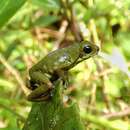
74,25
104,92
52,33
99,121
15,74
93,95
100,68
105,72
62,31
125,112
93,26
94,32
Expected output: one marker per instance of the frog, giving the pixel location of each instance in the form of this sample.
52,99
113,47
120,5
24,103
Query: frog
55,66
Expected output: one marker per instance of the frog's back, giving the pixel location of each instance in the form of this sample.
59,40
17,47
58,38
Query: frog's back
60,59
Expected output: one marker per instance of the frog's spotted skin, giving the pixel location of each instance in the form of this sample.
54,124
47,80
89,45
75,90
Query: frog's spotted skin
56,65
63,58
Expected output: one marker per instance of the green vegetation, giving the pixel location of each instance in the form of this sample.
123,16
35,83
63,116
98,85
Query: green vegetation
100,86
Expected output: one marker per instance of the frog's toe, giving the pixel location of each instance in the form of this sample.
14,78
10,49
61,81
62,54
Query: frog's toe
65,84
40,98
31,85
51,93
28,84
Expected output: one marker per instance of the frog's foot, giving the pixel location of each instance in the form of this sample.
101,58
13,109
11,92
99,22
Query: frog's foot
65,84
46,96
64,77
31,85
41,93
28,84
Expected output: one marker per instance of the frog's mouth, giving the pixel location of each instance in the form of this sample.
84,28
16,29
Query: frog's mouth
85,58
82,59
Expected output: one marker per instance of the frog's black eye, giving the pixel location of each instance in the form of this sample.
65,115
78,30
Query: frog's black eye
87,49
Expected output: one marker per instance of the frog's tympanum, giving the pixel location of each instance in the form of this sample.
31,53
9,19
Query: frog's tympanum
55,66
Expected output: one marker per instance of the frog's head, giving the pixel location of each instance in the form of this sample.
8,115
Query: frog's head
87,50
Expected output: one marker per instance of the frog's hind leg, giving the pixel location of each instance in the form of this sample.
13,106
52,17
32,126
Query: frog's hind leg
40,78
42,83
40,99
41,93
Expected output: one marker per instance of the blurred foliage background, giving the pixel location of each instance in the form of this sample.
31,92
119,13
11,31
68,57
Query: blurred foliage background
100,85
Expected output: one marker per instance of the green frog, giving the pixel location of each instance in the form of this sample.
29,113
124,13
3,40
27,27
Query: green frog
55,66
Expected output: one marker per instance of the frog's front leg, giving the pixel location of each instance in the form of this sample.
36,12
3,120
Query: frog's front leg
43,83
64,76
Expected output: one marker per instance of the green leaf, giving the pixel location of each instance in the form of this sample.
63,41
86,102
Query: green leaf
10,128
47,4
44,21
10,48
8,8
53,115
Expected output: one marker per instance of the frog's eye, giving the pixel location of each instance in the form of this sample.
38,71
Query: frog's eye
87,49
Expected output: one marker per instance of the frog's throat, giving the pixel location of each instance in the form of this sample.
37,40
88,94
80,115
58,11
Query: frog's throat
82,59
